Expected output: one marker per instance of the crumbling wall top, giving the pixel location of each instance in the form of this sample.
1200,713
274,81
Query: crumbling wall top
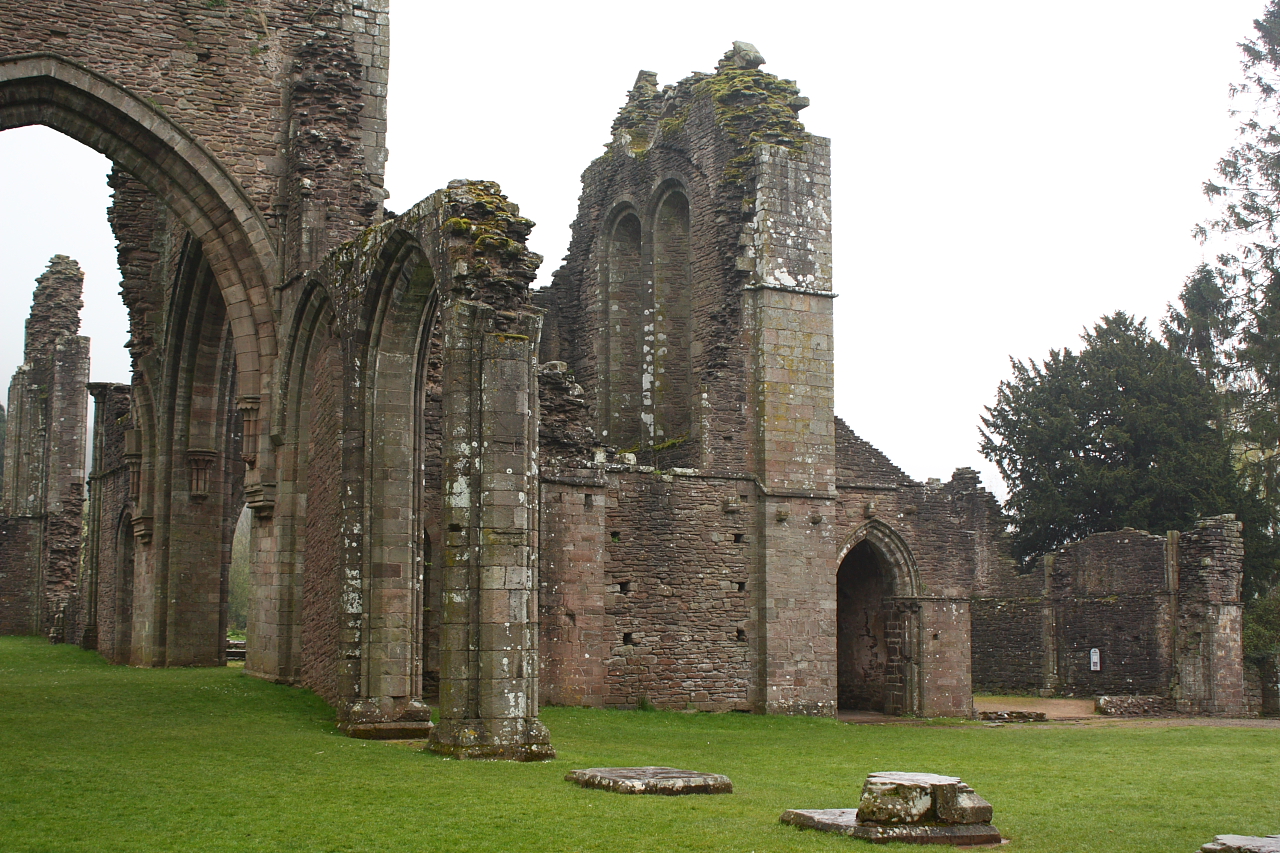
751,107
55,308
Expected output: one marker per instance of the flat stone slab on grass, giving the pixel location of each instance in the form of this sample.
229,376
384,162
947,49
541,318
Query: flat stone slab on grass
651,780
845,822
1242,844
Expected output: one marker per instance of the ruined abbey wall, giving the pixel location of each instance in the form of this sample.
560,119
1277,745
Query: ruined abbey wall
289,96
698,567
1162,612
627,488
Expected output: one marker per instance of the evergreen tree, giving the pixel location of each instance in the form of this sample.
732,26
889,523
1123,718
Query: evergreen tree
1124,433
1229,319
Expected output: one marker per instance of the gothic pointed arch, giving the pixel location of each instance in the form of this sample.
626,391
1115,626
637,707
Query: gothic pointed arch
46,89
893,548
300,588
402,308
625,308
669,334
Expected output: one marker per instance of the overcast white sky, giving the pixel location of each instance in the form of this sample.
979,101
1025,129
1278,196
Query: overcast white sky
1005,173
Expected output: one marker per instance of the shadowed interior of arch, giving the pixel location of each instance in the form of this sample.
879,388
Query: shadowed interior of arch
863,587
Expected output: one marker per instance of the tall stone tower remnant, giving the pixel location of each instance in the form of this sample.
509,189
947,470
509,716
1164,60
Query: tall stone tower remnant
44,465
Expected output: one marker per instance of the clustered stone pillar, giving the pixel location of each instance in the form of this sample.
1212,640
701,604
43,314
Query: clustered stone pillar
489,631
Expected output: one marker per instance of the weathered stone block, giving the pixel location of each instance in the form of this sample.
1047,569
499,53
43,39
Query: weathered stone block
651,780
1242,844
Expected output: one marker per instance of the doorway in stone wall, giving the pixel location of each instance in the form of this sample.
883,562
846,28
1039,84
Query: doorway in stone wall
864,620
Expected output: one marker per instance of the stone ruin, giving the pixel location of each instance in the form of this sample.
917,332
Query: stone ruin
912,808
1242,844
627,488
667,781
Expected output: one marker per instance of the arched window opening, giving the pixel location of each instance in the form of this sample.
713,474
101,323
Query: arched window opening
669,334
625,319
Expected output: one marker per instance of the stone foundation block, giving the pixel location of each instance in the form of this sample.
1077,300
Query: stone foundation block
845,822
1242,844
651,780
913,808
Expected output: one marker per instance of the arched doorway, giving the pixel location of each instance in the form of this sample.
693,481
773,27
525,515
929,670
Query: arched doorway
863,588
877,623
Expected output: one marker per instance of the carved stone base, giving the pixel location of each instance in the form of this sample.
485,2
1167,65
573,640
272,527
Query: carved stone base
845,822
523,739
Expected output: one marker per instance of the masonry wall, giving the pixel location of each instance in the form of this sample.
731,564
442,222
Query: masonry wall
103,604
709,576
19,541
1161,612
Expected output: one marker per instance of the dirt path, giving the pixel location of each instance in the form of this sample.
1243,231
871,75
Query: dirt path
1054,709
1076,712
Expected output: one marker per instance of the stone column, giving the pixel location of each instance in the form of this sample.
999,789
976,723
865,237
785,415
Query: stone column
787,307
489,631
1209,662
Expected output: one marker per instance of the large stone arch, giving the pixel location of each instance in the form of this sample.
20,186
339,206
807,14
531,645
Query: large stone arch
46,89
220,293
402,308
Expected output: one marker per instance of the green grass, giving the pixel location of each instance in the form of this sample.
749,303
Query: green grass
102,758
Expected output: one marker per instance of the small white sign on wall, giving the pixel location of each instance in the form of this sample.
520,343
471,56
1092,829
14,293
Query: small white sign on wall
1095,660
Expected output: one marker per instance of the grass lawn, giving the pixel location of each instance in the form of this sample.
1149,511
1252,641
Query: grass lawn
102,758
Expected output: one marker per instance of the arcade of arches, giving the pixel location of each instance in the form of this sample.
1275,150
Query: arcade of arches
629,485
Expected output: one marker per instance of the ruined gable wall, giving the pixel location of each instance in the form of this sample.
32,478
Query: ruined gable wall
751,399
695,136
